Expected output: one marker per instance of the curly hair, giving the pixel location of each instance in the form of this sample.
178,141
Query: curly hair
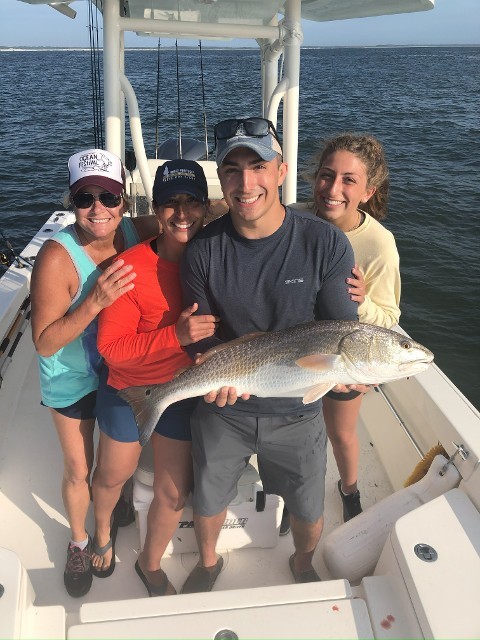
370,151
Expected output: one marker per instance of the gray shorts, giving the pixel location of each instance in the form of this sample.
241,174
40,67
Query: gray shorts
291,452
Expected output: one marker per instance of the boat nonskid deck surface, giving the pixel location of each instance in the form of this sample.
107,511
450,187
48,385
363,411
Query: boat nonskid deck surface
37,531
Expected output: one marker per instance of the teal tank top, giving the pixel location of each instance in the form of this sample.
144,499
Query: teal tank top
72,372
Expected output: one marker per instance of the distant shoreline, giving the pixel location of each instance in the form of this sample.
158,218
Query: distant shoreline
222,48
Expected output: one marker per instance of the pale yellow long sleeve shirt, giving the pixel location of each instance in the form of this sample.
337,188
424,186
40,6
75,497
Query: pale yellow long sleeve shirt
377,257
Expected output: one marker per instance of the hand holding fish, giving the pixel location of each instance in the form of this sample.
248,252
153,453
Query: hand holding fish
356,284
225,395
113,283
190,328
345,388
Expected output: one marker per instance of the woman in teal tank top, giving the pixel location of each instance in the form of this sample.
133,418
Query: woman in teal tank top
72,281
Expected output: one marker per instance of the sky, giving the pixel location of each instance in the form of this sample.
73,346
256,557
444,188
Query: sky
451,22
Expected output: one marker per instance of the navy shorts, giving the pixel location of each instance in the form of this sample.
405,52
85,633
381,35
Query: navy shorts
115,417
83,409
291,452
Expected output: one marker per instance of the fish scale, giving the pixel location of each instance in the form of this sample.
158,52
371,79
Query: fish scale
304,361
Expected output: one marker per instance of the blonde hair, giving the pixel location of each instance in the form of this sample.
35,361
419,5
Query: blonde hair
370,151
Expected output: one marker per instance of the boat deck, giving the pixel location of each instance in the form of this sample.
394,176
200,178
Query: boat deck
37,531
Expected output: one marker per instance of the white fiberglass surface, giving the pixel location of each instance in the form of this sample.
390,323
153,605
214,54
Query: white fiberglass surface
36,528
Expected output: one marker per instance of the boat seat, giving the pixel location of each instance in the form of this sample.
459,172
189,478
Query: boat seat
442,579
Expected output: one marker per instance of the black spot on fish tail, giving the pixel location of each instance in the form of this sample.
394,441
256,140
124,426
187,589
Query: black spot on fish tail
145,412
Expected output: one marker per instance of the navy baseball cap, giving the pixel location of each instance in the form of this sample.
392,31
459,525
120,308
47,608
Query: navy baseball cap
180,176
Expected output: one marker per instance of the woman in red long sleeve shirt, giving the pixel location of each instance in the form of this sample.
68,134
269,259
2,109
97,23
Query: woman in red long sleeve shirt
141,339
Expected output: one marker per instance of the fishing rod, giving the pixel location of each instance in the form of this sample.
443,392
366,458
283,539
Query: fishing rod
9,256
158,100
203,98
180,154
95,76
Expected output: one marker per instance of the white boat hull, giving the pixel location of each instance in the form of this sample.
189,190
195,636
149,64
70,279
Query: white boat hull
254,595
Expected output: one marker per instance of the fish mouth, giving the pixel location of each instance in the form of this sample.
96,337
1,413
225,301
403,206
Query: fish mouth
406,369
419,365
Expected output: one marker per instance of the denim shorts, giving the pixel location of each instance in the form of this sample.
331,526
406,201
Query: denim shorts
291,452
115,417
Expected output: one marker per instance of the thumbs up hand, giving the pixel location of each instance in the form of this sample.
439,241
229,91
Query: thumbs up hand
191,328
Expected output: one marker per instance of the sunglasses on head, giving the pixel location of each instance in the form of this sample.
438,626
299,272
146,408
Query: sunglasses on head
255,127
86,200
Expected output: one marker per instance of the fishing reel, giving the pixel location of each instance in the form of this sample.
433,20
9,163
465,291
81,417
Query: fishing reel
7,258
8,255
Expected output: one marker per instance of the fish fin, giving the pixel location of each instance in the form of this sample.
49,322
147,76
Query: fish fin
211,352
146,412
317,392
318,361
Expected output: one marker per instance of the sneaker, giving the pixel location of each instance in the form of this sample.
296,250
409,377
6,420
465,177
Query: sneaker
78,570
285,523
351,503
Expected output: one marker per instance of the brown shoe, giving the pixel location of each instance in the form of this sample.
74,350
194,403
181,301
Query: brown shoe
202,579
310,575
165,589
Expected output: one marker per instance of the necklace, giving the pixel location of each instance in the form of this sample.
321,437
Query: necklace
359,222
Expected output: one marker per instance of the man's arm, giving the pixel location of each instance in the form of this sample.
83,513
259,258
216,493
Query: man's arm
333,300
193,276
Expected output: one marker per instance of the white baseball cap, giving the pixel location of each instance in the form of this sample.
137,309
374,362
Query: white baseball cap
96,167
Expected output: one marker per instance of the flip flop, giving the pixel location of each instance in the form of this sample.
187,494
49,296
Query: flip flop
201,579
101,551
152,589
310,575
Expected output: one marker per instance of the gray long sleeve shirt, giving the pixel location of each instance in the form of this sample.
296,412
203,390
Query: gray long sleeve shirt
295,275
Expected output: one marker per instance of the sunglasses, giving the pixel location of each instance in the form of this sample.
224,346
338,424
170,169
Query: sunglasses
86,200
255,127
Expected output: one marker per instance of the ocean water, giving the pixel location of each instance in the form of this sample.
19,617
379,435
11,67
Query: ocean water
422,102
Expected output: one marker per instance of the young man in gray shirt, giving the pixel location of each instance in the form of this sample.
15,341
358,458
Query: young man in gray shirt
261,267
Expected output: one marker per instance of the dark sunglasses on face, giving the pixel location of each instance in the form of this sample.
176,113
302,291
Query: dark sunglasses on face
86,200
255,127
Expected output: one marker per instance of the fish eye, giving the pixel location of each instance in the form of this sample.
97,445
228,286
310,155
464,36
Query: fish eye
406,345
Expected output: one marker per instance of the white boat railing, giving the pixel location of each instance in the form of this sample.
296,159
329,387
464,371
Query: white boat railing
286,37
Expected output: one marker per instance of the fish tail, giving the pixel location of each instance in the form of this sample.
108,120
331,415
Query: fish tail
146,411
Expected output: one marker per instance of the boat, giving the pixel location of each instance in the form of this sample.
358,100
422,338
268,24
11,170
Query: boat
407,567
